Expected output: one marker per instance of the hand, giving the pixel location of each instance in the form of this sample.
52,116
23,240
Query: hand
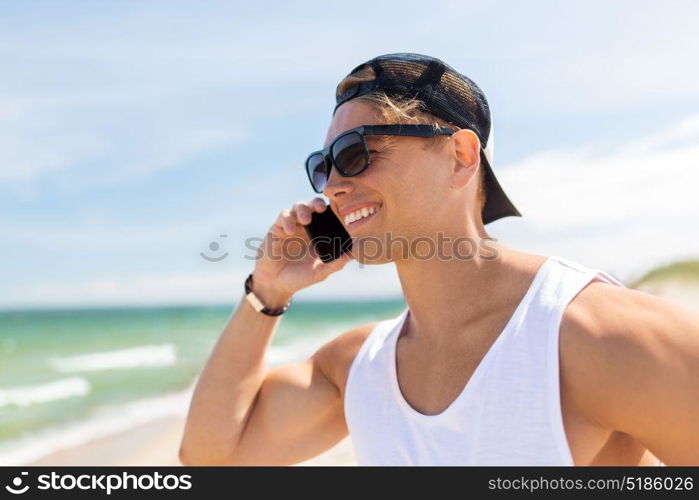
282,268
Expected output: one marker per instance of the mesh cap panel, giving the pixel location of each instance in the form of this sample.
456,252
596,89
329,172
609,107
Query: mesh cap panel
448,95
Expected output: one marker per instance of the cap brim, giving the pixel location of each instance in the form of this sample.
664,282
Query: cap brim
497,204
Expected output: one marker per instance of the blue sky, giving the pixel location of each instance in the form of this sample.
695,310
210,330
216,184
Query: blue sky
133,134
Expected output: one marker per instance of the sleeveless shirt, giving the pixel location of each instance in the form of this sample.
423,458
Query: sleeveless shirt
508,413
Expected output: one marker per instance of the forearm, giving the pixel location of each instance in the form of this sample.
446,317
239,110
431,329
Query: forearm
226,389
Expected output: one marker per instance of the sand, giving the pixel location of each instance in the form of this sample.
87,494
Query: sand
156,444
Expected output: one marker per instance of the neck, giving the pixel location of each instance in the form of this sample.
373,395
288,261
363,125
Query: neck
446,294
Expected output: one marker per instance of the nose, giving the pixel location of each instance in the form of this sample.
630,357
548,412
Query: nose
337,185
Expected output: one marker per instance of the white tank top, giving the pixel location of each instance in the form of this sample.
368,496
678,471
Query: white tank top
509,413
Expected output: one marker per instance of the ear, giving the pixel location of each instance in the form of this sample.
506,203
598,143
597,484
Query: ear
466,157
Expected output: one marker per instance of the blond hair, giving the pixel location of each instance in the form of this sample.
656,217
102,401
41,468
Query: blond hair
405,111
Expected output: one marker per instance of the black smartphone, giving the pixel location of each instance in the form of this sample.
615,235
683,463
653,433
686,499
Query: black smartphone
328,235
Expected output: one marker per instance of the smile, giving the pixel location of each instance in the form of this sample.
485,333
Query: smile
358,217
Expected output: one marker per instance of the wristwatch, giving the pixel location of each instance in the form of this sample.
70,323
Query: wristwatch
257,304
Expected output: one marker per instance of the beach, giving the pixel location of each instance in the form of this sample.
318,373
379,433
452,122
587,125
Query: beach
113,386
156,444
147,431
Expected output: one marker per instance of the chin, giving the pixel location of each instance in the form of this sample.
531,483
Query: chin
370,249
372,261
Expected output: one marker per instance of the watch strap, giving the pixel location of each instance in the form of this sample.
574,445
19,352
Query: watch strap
257,304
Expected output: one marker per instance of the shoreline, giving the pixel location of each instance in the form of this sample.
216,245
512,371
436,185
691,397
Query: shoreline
144,432
148,432
153,443
156,443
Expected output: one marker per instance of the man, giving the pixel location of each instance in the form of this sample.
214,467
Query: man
500,358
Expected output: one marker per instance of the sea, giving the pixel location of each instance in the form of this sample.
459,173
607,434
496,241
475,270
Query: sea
69,376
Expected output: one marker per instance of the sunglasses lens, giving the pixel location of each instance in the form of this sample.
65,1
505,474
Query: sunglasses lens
350,155
317,172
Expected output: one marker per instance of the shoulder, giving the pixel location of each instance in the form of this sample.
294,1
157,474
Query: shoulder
335,357
608,320
623,350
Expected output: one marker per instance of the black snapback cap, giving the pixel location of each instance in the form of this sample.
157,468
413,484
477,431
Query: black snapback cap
448,95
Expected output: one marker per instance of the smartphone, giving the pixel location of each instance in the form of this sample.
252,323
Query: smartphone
328,235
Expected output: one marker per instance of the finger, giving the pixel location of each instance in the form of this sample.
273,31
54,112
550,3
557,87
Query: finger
273,239
287,222
345,258
334,265
303,212
312,251
318,204
276,231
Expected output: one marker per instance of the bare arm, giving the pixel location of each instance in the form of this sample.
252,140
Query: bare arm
299,410
243,413
634,358
236,379
227,387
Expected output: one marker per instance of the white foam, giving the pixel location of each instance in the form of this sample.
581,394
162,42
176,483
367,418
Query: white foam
106,421
43,393
292,353
142,356
112,420
300,349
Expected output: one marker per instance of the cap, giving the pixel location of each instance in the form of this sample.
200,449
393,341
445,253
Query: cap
448,95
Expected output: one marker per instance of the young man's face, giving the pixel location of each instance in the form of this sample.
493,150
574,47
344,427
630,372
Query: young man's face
410,182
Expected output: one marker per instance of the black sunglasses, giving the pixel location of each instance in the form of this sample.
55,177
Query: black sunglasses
349,152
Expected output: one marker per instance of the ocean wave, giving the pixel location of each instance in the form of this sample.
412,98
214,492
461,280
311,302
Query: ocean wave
34,394
135,357
105,422
299,350
110,420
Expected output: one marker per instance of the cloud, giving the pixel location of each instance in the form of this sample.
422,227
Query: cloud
95,98
648,178
621,210
103,141
31,146
630,208
112,100
218,286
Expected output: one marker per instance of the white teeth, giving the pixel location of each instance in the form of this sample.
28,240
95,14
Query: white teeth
358,214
